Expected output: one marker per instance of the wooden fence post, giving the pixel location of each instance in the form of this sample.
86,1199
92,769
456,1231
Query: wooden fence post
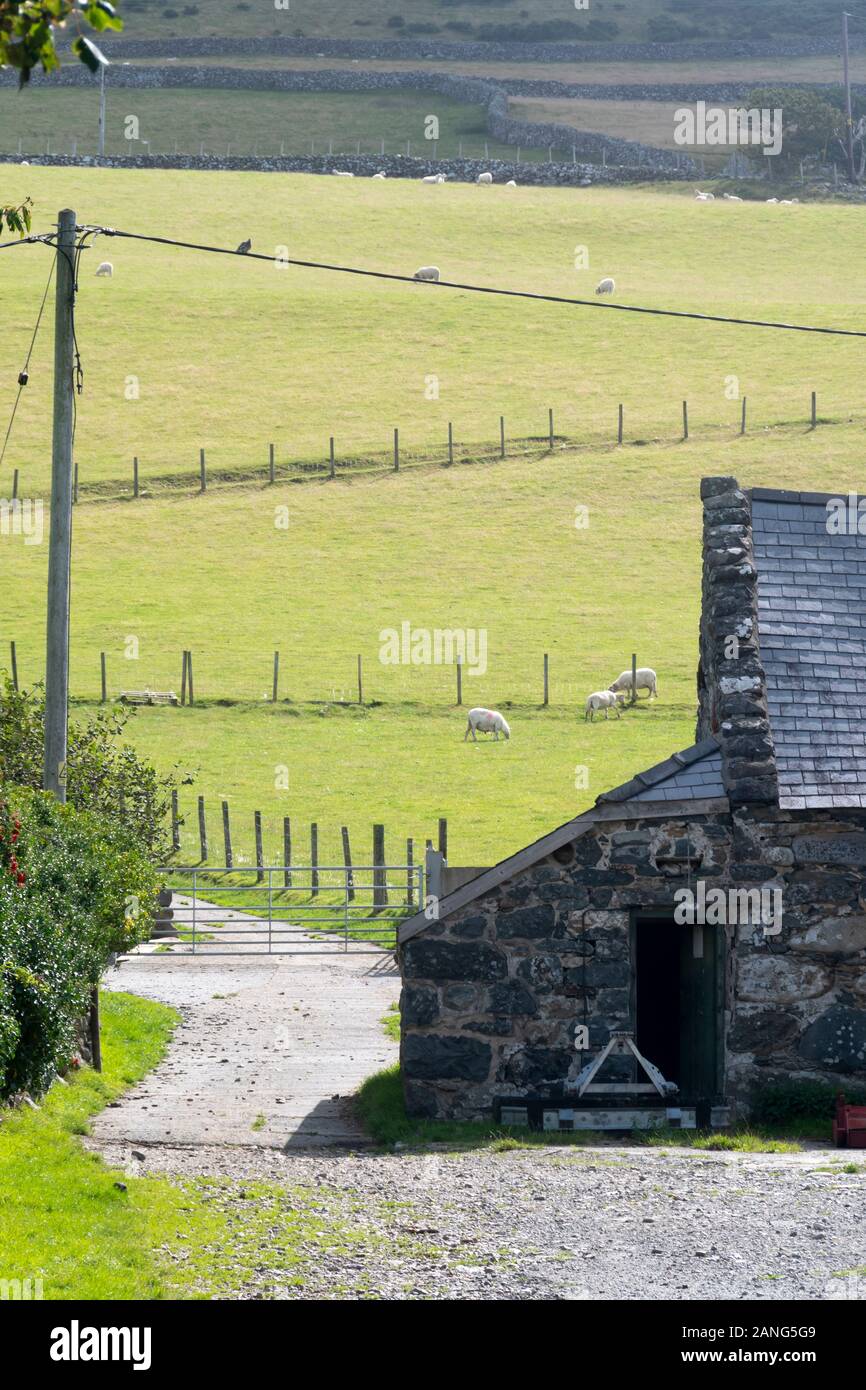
633,678
502,436
287,851
14,665
550,422
450,442
314,860
360,682
333,459
183,679
15,485
202,471
189,677
347,860
443,838
685,419
380,876
814,409
271,464
227,836
743,418
546,679
202,829
396,451
459,665
260,860
276,675
175,822
620,426
135,477
103,675
410,880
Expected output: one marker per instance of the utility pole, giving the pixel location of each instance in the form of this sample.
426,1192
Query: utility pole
60,522
103,65
849,119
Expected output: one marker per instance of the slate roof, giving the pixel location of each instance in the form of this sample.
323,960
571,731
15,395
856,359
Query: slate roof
694,774
812,638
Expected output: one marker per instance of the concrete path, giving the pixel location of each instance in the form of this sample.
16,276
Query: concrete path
269,1051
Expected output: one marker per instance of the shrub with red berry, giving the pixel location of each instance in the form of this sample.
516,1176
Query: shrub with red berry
10,838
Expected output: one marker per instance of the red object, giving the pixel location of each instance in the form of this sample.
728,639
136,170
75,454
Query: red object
849,1126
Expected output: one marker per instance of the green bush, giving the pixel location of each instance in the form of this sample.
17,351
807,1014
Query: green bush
103,774
792,1102
73,888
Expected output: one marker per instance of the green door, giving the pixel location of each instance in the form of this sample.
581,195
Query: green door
699,1018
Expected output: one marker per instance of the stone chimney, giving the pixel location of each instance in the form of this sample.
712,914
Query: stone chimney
732,700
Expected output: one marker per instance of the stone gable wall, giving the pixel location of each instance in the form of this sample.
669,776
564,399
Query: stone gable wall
492,994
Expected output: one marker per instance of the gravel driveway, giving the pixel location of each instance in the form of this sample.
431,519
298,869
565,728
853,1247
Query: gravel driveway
563,1223
256,1087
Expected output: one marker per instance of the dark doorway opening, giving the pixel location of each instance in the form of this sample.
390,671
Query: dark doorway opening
657,995
676,1007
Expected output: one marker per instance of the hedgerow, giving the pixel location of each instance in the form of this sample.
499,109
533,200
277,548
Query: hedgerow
73,888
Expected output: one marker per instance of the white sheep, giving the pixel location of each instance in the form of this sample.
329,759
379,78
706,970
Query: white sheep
772,200
601,700
106,268
342,173
606,286
486,721
512,183
484,178
731,198
645,677
430,178
427,272
380,175
440,178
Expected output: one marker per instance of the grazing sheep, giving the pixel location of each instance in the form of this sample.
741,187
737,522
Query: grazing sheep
731,198
427,272
705,197
606,286
646,680
602,700
106,268
342,174
484,178
486,721
430,178
380,175
772,200
512,183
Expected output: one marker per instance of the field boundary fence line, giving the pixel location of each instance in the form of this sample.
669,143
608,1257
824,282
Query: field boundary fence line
624,432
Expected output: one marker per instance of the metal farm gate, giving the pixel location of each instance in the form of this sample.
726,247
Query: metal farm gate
280,910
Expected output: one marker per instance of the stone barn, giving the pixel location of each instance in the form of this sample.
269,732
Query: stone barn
714,907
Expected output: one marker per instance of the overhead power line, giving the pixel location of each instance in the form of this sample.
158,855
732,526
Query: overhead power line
23,375
489,289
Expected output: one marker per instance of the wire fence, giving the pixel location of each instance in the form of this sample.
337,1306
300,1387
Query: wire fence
205,468
409,664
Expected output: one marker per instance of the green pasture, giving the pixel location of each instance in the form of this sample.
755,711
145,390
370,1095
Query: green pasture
489,548
183,350
239,122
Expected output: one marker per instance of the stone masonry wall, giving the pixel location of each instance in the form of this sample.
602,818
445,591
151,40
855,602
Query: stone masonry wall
731,680
491,995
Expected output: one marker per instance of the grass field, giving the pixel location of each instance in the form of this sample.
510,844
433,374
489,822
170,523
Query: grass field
335,19
441,18
251,354
650,122
187,119
319,570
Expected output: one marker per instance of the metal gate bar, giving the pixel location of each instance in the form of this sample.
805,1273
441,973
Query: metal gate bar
214,917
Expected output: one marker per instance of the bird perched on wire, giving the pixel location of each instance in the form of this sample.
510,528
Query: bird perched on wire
244,247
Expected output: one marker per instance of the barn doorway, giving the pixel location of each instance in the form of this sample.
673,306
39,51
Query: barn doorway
676,1006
